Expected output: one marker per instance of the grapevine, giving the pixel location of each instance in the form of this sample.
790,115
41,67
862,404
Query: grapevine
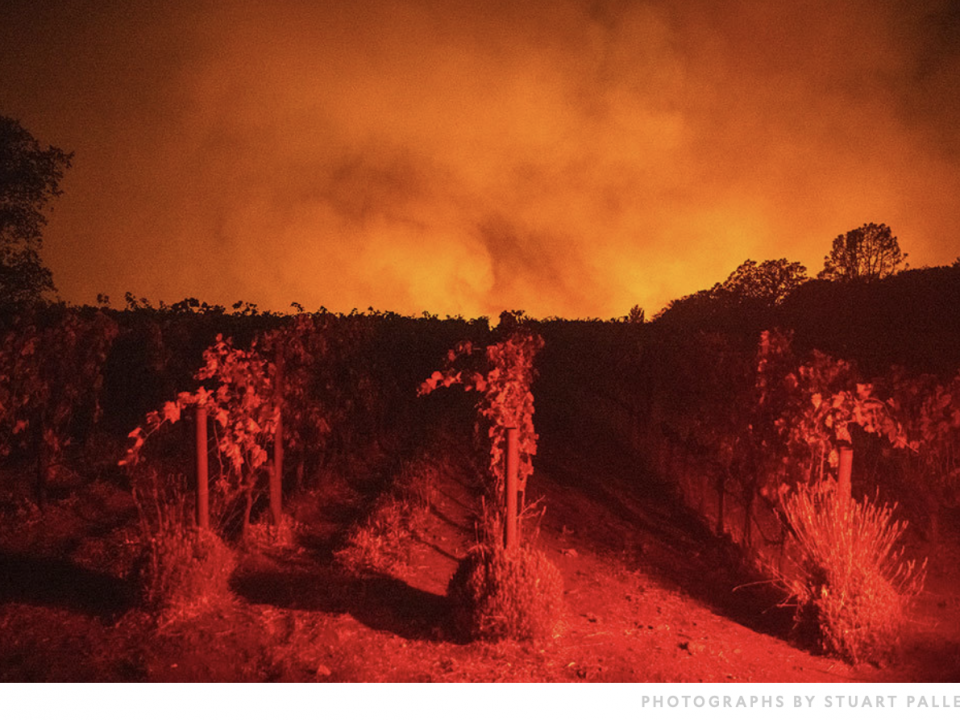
504,381
51,377
242,404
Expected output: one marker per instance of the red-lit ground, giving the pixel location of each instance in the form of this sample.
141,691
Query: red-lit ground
649,597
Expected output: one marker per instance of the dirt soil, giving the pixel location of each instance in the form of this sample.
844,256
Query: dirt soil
650,595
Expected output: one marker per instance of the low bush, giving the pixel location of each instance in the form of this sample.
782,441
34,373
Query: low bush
381,543
849,578
264,535
185,570
499,594
182,569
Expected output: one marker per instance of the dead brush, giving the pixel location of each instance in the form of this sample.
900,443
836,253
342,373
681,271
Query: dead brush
849,579
506,594
266,536
381,544
182,570
418,481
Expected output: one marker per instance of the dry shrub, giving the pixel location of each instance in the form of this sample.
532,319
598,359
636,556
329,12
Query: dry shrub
265,535
183,569
850,580
418,481
501,594
380,543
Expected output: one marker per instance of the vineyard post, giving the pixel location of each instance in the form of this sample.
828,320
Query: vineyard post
511,539
203,489
846,470
276,477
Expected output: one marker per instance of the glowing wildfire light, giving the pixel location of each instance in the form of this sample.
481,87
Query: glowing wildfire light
567,158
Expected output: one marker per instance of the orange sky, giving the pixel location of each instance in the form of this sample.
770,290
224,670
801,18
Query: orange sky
567,158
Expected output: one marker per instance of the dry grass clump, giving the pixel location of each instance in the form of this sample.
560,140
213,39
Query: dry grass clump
186,570
265,535
850,580
182,569
500,594
381,544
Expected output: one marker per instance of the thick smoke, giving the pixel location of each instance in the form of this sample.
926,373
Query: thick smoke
567,158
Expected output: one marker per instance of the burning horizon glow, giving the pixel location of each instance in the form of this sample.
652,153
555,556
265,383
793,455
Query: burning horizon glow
570,158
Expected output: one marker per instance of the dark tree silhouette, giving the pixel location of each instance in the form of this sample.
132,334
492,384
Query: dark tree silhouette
769,282
752,289
869,252
29,180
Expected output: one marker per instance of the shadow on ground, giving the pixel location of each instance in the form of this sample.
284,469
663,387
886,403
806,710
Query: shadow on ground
56,582
380,602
